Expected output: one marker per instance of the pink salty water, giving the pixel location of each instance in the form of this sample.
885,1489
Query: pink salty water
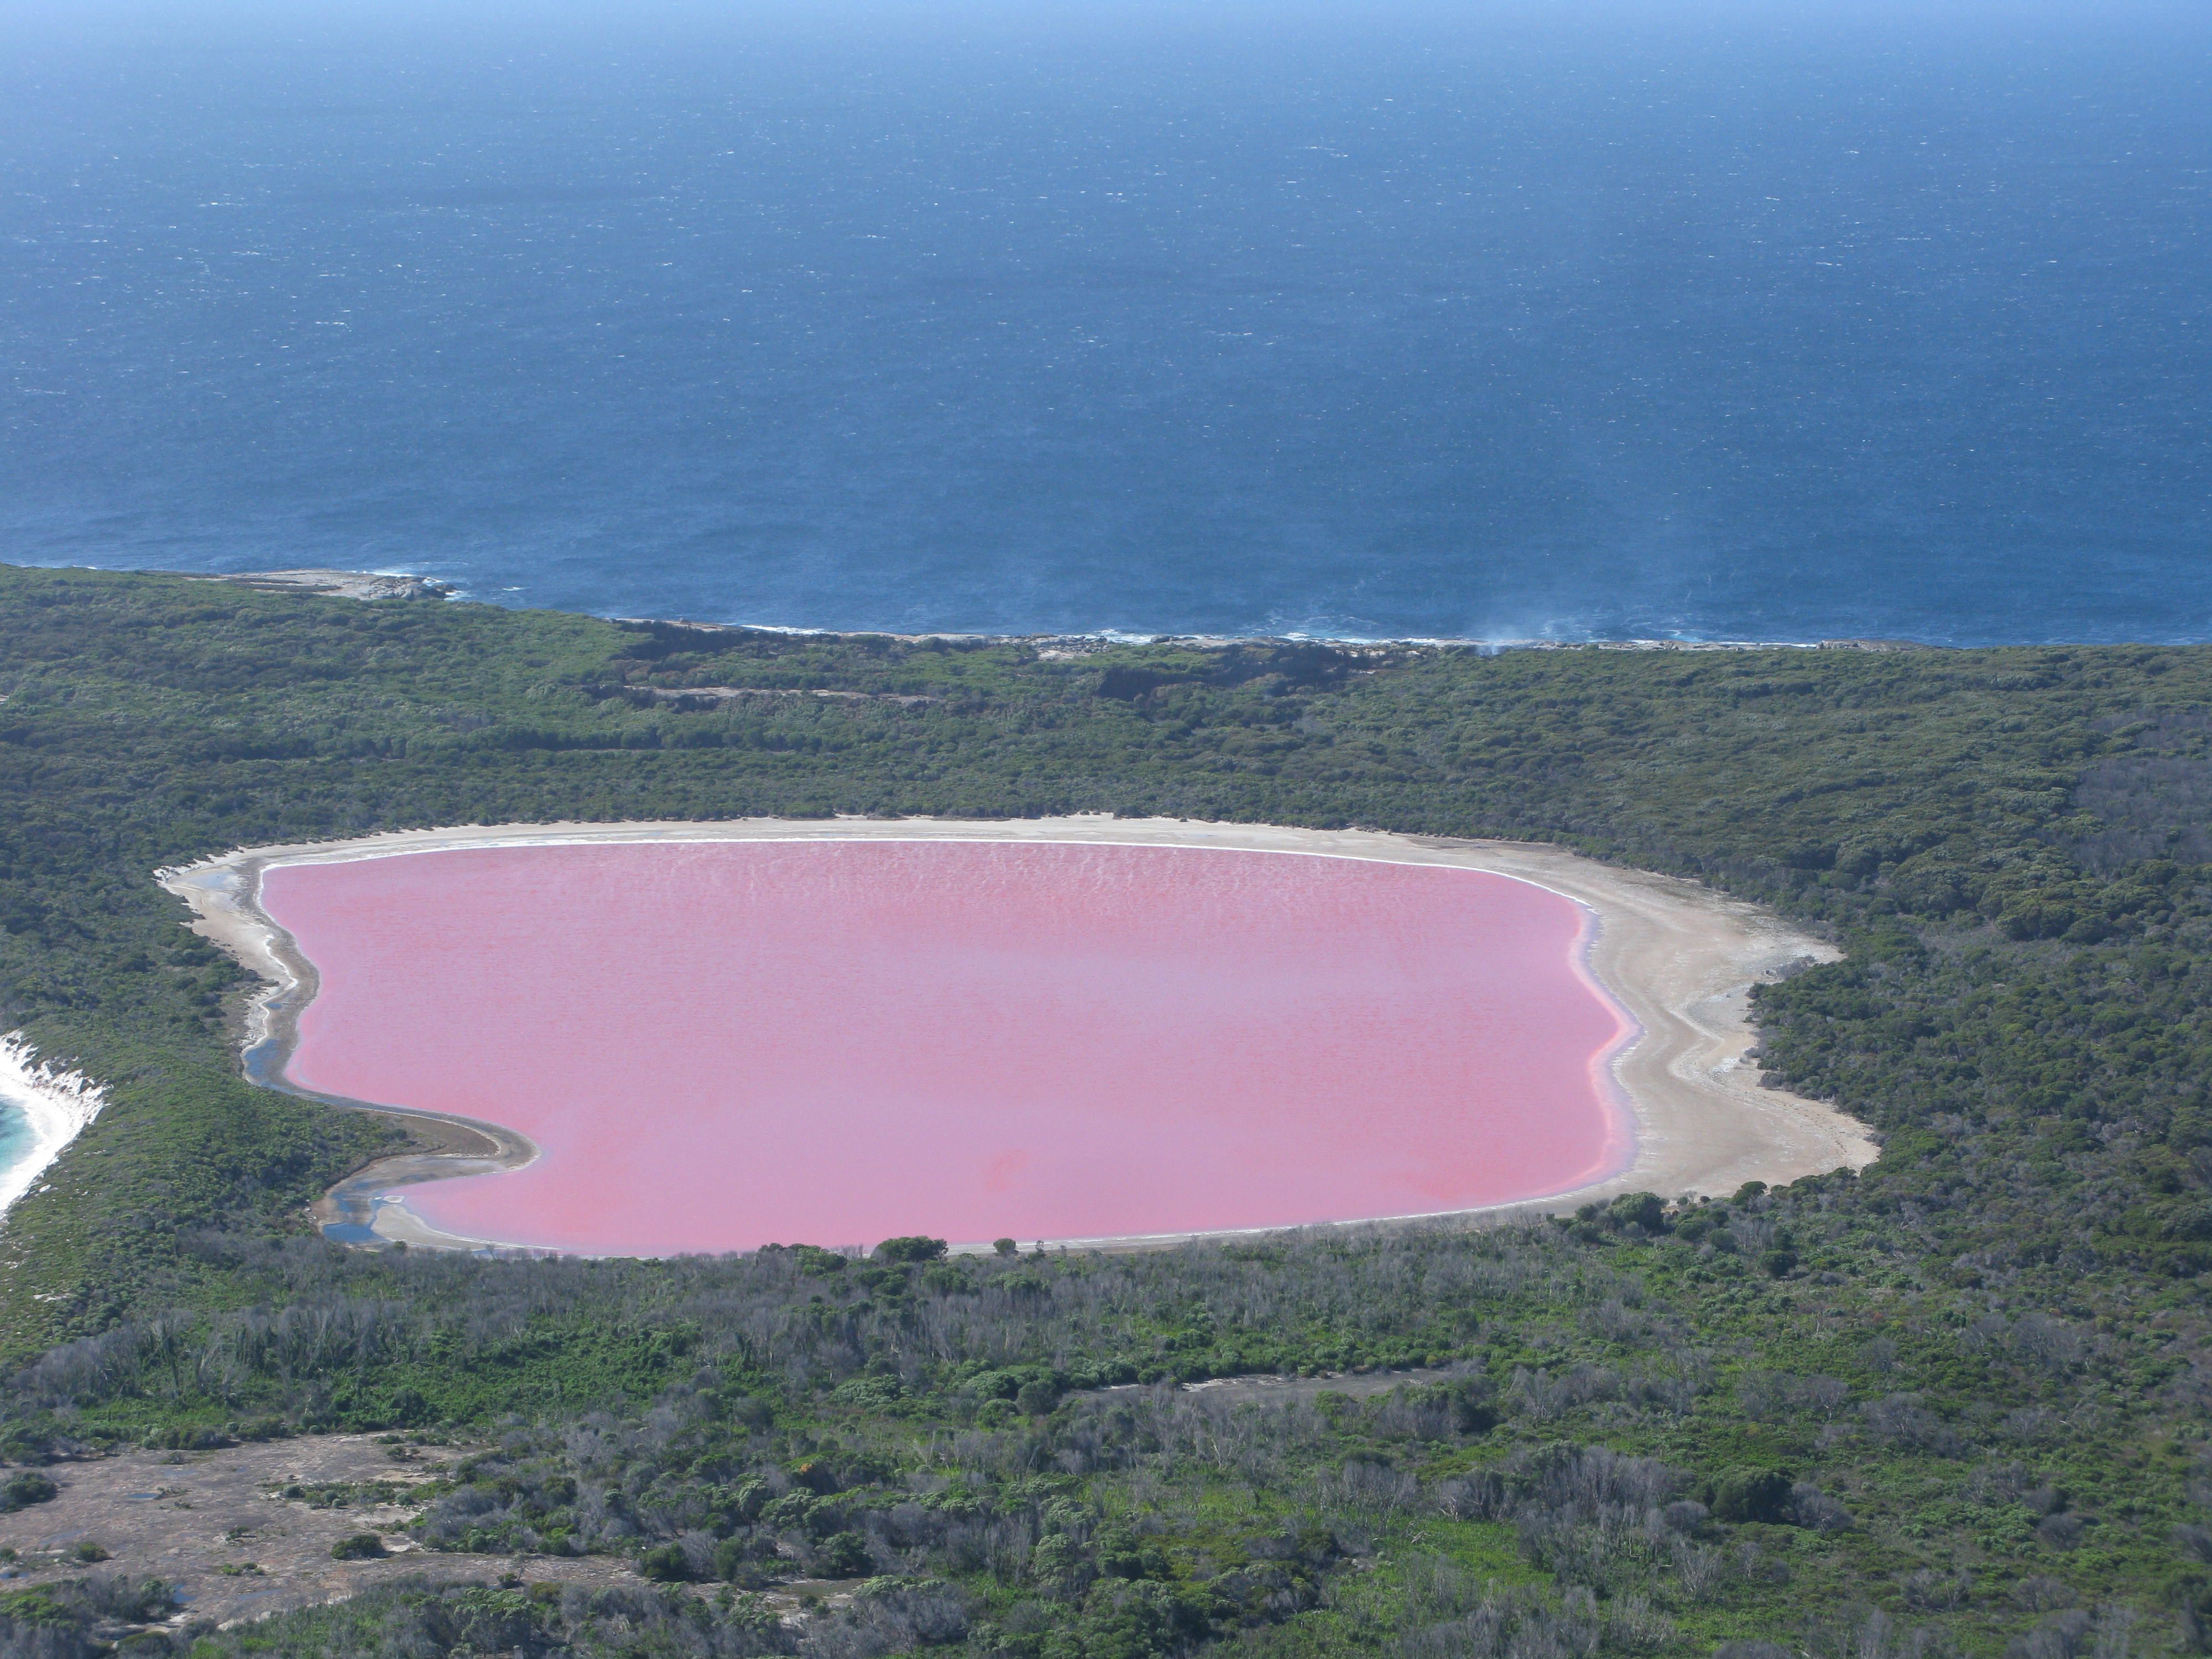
723,1044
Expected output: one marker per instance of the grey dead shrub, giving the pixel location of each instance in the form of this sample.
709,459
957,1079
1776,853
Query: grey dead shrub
1929,1591
2062,1636
1633,1625
894,1619
1994,1484
1812,1508
2060,1532
1515,1624
1904,1420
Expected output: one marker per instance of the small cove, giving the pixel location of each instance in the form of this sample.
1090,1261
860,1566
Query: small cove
18,1143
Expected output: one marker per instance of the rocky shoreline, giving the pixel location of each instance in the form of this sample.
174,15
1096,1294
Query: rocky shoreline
371,584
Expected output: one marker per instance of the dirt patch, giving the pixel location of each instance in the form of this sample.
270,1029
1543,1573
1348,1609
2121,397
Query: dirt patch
217,1526
1279,1386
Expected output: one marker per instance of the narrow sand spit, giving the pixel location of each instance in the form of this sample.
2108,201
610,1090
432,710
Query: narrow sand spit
1678,957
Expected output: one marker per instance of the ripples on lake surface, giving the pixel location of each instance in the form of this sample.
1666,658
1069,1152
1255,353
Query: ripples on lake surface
1758,323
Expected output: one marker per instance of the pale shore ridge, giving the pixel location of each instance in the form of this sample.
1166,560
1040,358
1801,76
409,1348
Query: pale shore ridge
56,1105
1678,957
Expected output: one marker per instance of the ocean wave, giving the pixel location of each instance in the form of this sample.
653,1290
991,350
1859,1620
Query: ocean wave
1308,635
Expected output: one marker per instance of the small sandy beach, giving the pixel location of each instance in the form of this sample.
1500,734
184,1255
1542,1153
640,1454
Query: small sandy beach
1680,958
55,1105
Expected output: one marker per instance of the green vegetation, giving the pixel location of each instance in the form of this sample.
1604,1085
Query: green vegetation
1955,1404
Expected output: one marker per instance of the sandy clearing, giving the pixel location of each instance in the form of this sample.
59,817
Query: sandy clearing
1679,957
180,1517
217,1528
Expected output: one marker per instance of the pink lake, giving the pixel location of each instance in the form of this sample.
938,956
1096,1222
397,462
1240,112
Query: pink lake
722,1044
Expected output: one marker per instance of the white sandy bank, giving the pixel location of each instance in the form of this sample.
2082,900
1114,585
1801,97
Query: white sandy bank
1680,958
56,1105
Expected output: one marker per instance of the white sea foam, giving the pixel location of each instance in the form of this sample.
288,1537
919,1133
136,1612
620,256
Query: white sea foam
1548,636
55,1105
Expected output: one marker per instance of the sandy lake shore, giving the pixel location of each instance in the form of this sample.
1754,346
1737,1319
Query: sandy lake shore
1680,959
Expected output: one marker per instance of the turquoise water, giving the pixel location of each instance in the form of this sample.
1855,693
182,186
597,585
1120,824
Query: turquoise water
1745,321
15,1139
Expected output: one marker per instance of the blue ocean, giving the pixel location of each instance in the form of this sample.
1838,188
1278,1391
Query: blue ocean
1702,320
16,1140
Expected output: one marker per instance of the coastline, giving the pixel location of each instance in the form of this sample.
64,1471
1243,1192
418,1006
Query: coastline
57,1106
407,585
1677,958
1084,644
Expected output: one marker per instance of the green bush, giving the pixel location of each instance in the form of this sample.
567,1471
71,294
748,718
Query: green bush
844,1555
1749,1495
1645,1210
912,1249
26,1487
739,1561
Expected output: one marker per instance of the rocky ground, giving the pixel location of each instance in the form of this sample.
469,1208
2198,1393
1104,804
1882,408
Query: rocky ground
332,584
